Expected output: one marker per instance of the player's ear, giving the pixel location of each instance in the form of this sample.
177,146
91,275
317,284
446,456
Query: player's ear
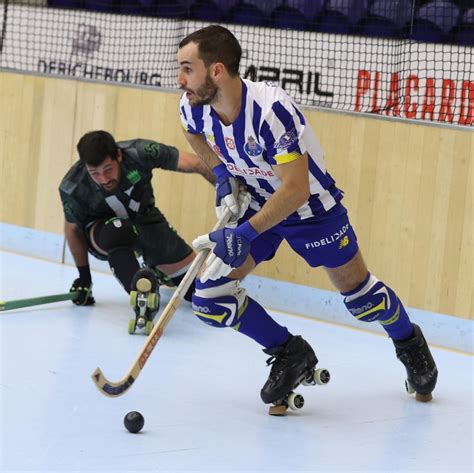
119,155
218,70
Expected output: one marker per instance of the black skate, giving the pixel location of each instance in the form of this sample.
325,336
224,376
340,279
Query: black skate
145,299
422,373
292,364
163,279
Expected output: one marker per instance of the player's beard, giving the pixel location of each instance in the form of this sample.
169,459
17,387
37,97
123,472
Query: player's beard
113,187
205,94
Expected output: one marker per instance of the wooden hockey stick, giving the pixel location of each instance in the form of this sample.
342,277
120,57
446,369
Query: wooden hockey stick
114,389
19,303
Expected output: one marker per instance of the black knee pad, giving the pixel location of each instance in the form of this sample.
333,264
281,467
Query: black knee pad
115,233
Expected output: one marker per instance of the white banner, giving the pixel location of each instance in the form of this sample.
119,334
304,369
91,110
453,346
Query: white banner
388,77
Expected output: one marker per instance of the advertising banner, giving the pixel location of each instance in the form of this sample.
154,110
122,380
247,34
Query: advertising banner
398,78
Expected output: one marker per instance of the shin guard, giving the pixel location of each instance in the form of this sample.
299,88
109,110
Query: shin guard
124,265
223,303
374,301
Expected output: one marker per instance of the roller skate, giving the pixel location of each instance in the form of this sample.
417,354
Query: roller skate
145,299
292,364
163,279
422,373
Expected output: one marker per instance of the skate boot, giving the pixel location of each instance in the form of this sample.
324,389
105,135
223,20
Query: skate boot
421,369
145,299
163,279
292,364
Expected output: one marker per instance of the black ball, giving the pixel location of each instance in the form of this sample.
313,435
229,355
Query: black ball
134,422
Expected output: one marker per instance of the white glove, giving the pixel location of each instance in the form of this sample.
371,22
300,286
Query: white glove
230,248
228,190
243,201
214,267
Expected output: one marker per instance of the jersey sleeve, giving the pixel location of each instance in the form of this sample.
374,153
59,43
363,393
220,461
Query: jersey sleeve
188,117
157,155
282,130
73,211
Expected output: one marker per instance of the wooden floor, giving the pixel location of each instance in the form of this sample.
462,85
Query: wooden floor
199,394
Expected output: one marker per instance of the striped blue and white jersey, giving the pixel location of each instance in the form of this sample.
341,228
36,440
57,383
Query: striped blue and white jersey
269,130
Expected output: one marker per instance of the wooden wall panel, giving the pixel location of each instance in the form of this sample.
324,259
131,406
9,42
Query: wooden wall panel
18,168
408,187
36,135
55,148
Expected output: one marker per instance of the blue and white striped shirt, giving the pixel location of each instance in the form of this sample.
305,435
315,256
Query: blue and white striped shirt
269,130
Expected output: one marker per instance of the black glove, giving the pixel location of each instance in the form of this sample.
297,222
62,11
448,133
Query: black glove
83,286
84,292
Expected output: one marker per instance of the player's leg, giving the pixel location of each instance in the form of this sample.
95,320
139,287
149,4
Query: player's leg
223,303
370,300
331,242
175,272
114,240
164,249
145,299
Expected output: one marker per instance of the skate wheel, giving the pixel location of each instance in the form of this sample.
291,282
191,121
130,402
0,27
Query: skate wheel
133,298
309,380
410,389
295,401
278,410
322,376
132,325
152,301
144,285
149,327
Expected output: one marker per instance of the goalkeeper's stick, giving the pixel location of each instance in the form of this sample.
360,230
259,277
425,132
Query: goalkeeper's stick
19,303
114,389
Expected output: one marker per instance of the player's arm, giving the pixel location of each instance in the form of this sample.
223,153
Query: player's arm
231,246
230,193
292,194
189,162
202,149
77,243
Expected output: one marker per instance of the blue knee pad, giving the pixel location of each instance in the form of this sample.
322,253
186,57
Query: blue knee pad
373,301
219,303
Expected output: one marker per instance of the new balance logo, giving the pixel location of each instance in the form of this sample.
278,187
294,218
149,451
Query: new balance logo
344,242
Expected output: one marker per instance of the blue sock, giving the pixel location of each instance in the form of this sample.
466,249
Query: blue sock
256,323
397,324
248,316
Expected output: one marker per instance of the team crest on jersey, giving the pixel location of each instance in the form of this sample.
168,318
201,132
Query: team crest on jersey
252,148
152,148
210,138
229,142
134,176
287,139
